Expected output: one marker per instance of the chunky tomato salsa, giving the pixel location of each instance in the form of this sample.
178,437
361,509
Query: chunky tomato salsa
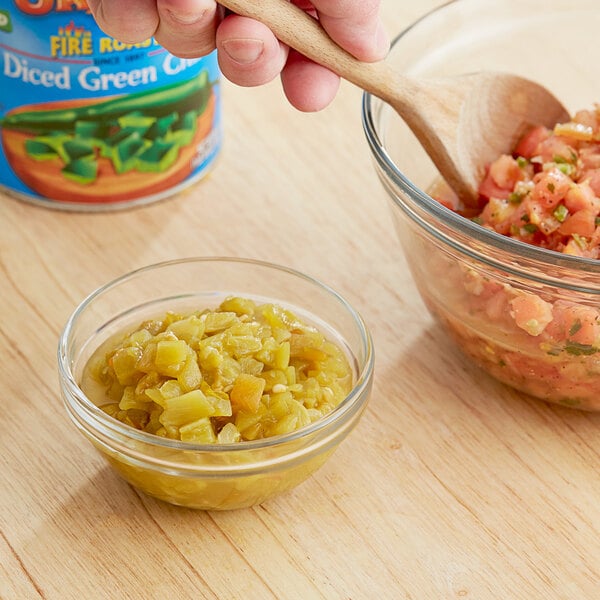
547,193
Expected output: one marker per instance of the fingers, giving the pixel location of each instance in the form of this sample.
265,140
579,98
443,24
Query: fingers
184,27
187,27
355,25
249,54
308,87
114,17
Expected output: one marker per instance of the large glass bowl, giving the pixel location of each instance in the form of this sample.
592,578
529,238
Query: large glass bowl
211,476
470,278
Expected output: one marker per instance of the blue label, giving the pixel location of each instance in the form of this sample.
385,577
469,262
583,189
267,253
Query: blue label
87,120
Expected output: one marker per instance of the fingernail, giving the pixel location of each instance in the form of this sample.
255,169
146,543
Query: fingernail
244,50
187,18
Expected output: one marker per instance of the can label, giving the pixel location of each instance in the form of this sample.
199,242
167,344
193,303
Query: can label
89,122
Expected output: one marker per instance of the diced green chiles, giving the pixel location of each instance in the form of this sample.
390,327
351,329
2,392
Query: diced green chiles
170,356
81,170
76,149
136,121
91,130
55,141
164,121
561,212
192,406
243,371
161,126
124,154
40,150
183,130
158,157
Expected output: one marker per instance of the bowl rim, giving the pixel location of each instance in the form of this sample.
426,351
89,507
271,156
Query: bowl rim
95,417
446,216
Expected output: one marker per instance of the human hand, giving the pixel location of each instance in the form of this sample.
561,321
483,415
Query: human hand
249,54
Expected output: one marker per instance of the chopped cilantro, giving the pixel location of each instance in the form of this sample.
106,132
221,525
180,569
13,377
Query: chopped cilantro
530,228
551,187
575,327
573,155
577,349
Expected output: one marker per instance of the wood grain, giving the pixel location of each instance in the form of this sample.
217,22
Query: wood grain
452,486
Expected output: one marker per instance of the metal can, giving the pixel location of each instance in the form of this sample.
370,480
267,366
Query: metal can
90,123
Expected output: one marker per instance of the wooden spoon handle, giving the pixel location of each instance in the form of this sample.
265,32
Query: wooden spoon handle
300,31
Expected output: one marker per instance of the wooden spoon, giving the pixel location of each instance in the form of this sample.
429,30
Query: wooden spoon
463,122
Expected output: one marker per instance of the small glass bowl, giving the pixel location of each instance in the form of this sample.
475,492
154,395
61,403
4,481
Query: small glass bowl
469,277
217,476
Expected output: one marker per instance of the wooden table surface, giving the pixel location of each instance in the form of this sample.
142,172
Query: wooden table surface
452,486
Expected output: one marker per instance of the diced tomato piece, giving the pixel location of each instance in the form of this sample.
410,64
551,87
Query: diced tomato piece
575,322
593,177
496,306
551,187
581,223
542,217
582,197
531,313
489,189
528,144
498,214
585,326
505,172
589,157
557,147
522,213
